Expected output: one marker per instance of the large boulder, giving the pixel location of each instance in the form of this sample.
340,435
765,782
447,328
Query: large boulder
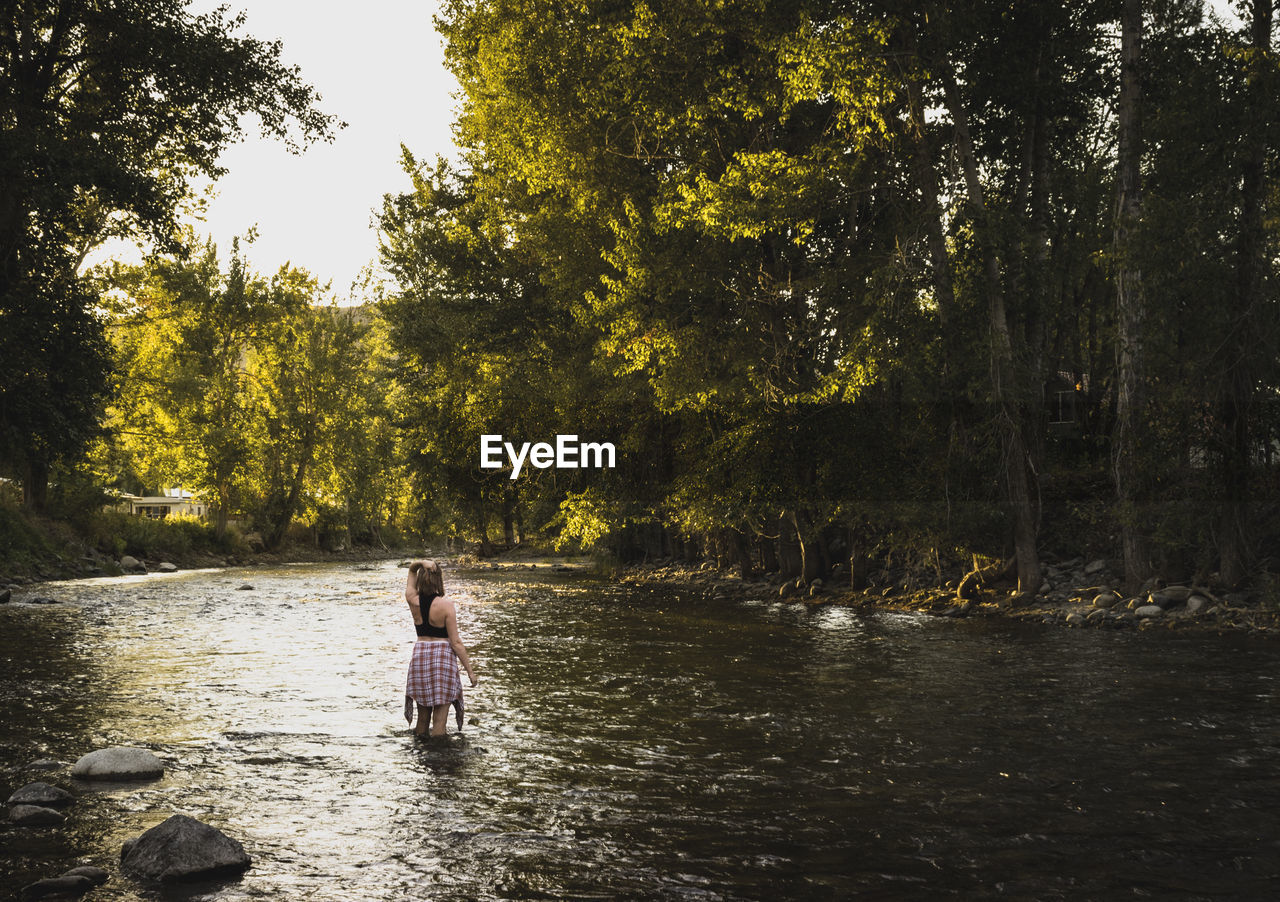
41,794
121,763
130,564
182,849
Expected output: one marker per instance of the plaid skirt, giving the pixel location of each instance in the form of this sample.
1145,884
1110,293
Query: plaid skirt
433,679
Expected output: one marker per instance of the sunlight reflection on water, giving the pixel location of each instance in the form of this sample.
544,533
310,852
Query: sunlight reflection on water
640,743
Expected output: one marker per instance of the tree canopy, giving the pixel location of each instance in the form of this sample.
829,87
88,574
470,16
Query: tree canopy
107,111
838,273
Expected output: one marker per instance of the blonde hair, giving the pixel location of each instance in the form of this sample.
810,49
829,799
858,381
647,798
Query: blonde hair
430,580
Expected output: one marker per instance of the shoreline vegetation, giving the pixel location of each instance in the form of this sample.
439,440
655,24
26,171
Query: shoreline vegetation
1076,592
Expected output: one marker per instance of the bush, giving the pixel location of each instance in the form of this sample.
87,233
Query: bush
21,544
117,533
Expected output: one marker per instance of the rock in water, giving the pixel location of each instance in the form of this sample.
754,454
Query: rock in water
41,794
97,875
183,849
68,886
121,763
35,816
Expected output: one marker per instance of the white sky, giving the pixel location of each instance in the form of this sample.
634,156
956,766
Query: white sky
378,65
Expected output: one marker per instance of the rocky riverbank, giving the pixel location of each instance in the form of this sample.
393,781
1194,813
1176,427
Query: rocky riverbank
1075,593
91,563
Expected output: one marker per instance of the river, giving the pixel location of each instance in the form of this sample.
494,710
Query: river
641,743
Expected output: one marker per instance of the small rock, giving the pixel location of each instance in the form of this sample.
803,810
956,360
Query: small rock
41,794
46,764
35,816
130,564
1178,594
1149,610
816,584
1106,600
67,886
166,567
5,595
1196,604
183,849
121,763
1075,619
815,589
97,875
1095,567
245,588
1159,598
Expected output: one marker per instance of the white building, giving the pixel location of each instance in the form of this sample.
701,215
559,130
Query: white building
173,501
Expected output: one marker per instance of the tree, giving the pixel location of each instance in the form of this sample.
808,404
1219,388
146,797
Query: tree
107,110
184,406
1242,354
1130,304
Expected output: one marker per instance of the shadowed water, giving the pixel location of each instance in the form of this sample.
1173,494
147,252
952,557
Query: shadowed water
630,743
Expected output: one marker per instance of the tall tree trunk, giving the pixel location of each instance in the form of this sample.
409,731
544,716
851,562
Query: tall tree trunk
1019,469
287,508
509,518
223,507
789,553
924,172
1130,304
1240,349
35,485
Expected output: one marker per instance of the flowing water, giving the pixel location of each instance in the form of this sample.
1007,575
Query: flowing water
641,743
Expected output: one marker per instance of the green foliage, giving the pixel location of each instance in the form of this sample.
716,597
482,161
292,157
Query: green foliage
116,533
21,544
109,112
747,242
244,391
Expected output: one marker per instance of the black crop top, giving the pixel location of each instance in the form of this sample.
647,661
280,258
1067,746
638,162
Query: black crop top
425,628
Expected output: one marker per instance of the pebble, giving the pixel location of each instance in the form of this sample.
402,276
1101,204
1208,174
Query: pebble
1149,610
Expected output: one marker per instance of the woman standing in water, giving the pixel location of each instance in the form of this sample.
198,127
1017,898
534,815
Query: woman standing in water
433,683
